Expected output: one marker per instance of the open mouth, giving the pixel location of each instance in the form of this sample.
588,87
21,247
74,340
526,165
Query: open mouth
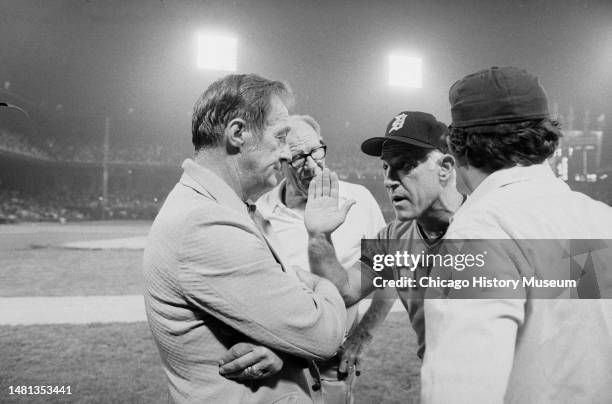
398,199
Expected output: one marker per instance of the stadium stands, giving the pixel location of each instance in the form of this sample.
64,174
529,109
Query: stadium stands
61,181
16,143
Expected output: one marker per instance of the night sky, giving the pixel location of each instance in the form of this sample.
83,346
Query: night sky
101,58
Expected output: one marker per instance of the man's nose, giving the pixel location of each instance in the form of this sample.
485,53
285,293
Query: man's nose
310,163
311,167
390,180
284,153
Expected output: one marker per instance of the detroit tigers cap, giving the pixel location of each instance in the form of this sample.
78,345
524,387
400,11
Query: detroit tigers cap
416,128
497,95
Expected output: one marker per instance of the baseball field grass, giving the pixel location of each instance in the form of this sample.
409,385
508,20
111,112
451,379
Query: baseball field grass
118,362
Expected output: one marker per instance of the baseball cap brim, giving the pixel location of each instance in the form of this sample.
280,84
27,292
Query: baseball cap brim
373,146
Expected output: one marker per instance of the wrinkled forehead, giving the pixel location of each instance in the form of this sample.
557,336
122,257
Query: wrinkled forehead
302,137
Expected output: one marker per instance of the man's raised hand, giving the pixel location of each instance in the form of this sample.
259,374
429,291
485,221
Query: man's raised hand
322,214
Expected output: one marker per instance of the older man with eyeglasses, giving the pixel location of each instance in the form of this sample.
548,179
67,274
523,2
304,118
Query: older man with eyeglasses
282,210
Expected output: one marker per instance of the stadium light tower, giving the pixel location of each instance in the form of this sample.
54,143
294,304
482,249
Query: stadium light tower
216,52
405,71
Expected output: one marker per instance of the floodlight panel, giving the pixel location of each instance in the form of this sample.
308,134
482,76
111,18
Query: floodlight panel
405,71
217,52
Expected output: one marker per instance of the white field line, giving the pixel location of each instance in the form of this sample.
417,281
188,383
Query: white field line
85,309
71,310
129,243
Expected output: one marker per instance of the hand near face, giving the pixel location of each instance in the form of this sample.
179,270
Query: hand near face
246,361
322,214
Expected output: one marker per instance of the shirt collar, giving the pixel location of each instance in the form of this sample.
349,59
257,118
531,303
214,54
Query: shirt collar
507,176
207,183
271,200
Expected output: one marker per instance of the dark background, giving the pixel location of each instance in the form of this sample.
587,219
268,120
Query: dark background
101,58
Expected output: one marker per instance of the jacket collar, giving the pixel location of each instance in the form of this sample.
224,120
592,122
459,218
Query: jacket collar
207,183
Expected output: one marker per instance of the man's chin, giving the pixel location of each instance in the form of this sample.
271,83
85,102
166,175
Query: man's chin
263,187
404,215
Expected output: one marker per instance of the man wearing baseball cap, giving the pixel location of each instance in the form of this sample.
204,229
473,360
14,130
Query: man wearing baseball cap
420,180
520,350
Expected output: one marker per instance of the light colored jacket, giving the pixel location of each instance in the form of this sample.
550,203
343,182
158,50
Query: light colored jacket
212,281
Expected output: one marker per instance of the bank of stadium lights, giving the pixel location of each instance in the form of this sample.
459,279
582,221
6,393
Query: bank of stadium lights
216,52
405,71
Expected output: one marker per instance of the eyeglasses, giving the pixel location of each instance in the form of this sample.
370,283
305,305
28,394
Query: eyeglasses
317,154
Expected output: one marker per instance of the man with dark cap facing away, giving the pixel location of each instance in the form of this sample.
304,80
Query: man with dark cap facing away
521,349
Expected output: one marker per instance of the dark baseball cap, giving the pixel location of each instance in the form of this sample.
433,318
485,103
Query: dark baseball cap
412,127
497,95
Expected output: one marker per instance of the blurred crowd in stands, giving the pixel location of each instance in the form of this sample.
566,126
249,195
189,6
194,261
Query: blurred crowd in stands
16,143
88,153
73,205
350,167
134,154
18,207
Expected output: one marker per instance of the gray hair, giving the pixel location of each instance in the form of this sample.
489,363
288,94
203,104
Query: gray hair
245,96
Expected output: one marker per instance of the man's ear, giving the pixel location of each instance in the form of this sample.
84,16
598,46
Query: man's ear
447,167
234,134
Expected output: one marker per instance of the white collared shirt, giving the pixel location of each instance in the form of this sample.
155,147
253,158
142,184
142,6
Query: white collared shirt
529,203
523,350
364,220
